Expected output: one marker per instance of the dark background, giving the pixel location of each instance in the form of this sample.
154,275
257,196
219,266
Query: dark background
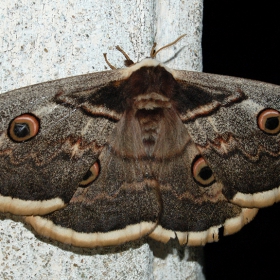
241,38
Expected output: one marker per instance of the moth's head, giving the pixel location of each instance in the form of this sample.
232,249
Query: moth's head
128,62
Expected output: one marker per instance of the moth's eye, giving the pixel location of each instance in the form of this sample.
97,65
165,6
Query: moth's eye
269,121
24,127
202,173
91,175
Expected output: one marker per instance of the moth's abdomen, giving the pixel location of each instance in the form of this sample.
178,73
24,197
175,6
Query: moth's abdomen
149,109
150,122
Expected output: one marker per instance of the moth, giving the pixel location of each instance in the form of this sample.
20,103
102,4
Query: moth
109,157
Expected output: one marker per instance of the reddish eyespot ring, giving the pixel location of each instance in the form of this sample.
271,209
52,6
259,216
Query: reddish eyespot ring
269,121
202,173
24,127
91,175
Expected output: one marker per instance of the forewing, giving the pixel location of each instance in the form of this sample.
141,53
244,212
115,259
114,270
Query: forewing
41,174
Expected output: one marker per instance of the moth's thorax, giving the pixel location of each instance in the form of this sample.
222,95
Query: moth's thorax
150,89
152,81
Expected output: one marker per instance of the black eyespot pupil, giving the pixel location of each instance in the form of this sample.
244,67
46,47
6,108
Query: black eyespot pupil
205,173
272,123
21,130
87,175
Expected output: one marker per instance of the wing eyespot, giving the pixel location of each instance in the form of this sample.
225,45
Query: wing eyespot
269,121
23,127
202,173
91,174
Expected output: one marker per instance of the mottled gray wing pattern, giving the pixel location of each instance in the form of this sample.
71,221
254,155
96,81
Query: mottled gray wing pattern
141,151
244,157
41,175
